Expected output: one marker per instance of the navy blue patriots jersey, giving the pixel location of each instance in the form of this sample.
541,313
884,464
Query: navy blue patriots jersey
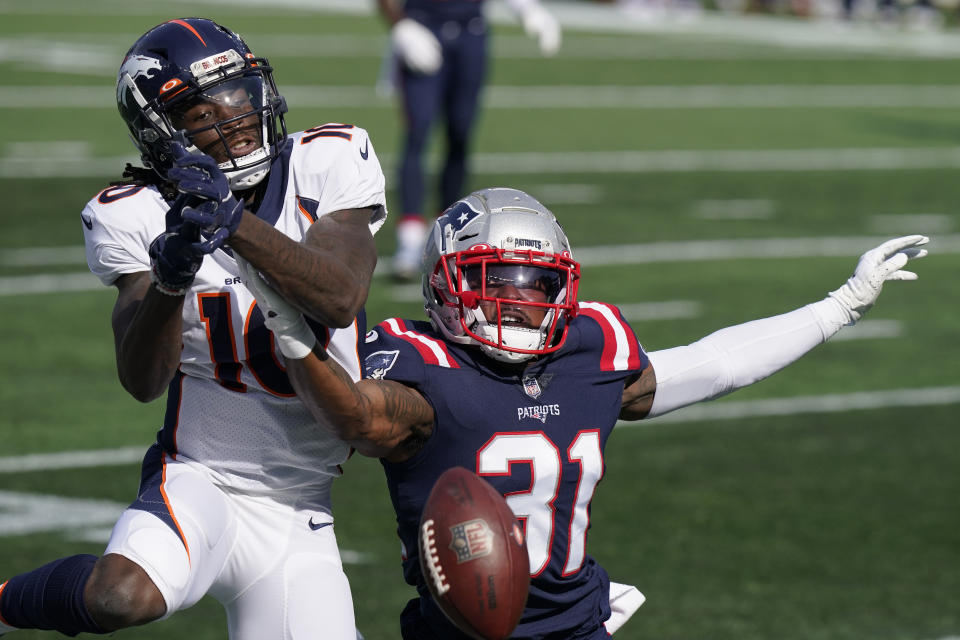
434,11
537,434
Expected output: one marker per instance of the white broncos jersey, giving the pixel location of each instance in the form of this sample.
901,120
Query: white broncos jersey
230,408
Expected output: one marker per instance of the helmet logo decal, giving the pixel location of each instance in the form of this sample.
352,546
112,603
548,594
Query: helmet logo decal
458,215
139,66
454,219
377,364
189,27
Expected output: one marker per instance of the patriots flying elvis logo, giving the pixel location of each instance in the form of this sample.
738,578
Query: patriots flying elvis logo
378,363
455,218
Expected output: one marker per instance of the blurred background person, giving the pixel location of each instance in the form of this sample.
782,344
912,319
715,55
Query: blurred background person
438,62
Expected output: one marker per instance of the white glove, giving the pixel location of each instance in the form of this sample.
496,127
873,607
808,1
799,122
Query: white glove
294,336
877,266
540,24
416,46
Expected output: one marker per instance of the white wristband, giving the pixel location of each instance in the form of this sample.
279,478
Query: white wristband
295,338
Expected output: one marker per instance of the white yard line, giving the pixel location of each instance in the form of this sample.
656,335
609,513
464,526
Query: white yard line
721,96
830,403
723,161
49,283
83,519
870,329
926,223
791,96
735,209
761,248
665,310
26,513
72,459
582,162
42,256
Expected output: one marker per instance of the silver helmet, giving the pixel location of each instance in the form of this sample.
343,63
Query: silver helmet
498,273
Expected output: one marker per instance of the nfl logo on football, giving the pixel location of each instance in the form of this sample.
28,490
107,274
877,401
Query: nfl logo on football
471,540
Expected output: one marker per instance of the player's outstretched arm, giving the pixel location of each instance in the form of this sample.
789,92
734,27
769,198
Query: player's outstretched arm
382,418
738,356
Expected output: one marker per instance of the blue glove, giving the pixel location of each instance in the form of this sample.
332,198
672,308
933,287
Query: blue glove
177,253
215,209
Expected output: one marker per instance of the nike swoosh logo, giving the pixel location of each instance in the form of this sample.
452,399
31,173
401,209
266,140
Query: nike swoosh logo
366,149
317,525
87,222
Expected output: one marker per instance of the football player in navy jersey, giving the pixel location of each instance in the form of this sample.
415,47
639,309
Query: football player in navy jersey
234,498
519,381
439,61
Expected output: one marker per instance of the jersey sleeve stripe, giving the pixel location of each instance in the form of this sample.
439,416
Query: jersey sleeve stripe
621,351
431,350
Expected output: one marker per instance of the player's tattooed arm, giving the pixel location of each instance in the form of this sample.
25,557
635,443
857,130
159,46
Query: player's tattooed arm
327,276
638,395
379,418
401,419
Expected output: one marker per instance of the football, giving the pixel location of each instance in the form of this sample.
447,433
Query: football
474,556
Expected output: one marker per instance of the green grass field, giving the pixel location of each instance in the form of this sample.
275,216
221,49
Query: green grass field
724,176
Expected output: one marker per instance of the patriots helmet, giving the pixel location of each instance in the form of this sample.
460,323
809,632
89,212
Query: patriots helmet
187,62
498,272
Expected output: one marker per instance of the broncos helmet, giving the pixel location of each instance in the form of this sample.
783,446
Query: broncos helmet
188,61
493,263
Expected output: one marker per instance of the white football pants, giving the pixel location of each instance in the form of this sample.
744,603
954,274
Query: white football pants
275,569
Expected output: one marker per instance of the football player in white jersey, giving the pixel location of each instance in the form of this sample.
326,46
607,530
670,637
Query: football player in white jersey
234,499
